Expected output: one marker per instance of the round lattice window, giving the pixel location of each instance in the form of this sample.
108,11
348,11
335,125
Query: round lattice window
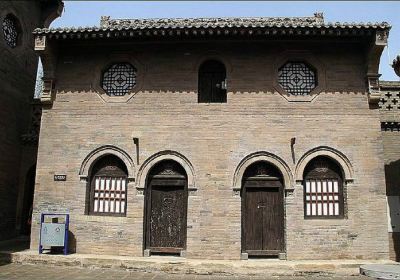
297,78
119,79
10,31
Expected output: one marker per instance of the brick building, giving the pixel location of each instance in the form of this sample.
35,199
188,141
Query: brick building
390,125
215,138
19,114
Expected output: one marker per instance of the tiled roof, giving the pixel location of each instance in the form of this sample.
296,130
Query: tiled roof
389,84
166,23
315,22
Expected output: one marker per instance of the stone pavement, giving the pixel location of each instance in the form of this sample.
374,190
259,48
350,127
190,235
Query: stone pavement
48,272
176,265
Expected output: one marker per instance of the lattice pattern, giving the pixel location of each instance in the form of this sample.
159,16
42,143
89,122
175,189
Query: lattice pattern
389,101
297,78
119,79
390,126
109,195
322,198
10,31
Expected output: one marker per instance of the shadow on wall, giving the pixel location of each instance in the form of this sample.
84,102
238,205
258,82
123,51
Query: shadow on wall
71,243
392,174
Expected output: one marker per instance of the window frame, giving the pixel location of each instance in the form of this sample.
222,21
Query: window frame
109,66
331,174
17,24
105,63
202,98
310,68
302,56
104,171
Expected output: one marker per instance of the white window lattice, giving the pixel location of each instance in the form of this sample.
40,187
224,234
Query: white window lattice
10,31
119,79
109,195
322,198
297,78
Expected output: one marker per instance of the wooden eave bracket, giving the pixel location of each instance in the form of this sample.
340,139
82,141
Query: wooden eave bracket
374,92
48,55
373,58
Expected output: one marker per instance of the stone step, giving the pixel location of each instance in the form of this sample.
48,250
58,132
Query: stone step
177,265
381,271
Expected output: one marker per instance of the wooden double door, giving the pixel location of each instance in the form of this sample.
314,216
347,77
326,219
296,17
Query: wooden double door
166,214
262,217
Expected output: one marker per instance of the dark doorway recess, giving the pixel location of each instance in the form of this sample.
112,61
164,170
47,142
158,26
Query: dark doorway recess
262,211
212,82
166,209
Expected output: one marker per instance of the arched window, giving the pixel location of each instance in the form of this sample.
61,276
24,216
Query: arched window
108,187
323,189
212,82
11,30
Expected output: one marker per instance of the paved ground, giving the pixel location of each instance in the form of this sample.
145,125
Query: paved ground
39,272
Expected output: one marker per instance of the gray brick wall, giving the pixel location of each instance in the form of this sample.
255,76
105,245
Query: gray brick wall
215,138
390,117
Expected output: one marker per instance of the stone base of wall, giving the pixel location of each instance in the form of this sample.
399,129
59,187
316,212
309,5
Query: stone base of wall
176,265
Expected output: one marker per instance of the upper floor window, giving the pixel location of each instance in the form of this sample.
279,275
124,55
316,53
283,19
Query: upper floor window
11,30
119,79
323,189
108,187
212,82
297,78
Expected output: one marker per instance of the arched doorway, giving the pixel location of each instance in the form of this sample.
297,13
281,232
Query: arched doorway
166,208
262,211
212,82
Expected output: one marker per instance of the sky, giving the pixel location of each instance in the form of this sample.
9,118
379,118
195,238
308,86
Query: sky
88,13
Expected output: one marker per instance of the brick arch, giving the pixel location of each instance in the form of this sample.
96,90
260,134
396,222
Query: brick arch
98,153
166,155
335,155
213,55
263,156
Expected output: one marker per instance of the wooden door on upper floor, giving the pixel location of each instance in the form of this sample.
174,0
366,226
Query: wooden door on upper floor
212,82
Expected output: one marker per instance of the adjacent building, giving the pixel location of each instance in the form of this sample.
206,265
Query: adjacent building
390,125
224,138
19,113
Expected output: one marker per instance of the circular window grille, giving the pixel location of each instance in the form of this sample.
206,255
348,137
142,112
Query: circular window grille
297,78
119,79
10,31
